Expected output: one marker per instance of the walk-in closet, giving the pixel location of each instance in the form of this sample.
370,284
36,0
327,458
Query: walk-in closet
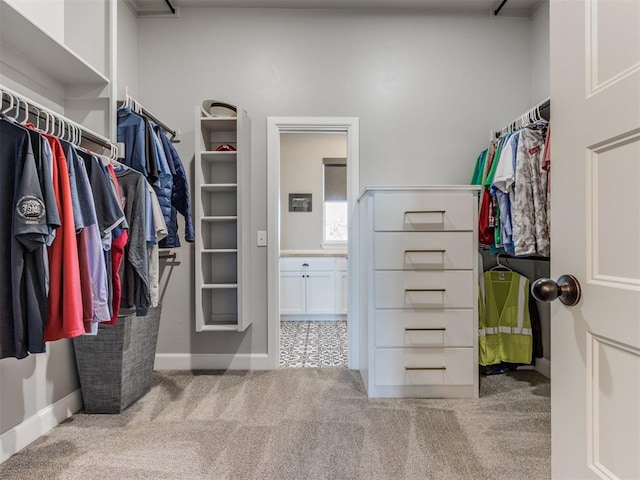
363,239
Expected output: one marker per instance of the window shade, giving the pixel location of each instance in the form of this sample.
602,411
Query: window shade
335,179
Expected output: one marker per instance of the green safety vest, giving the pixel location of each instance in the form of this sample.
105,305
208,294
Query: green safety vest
504,325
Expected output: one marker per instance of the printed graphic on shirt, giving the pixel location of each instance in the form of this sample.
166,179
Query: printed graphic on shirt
31,210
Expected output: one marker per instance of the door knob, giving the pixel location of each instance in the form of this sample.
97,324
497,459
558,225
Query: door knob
567,289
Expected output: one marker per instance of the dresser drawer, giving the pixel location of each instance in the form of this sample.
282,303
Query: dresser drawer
424,251
445,289
424,366
289,264
424,212
430,328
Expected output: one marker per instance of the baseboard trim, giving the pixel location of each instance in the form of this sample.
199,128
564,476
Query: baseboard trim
543,366
212,361
18,437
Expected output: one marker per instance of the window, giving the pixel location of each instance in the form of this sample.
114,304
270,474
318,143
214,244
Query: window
335,200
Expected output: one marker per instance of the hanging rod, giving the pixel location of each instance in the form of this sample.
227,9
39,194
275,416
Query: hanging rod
140,110
543,108
171,7
40,112
497,10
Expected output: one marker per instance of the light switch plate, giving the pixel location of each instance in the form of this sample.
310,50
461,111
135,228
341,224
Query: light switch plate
262,238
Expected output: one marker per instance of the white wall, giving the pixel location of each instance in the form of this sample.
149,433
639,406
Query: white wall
86,31
540,66
47,14
127,52
427,89
301,167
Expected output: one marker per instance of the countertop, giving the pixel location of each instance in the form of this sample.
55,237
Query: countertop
313,253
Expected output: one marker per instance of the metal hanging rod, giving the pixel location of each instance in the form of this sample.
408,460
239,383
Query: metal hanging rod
137,107
497,10
17,102
171,7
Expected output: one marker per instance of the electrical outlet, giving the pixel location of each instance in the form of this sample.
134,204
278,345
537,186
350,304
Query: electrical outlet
262,238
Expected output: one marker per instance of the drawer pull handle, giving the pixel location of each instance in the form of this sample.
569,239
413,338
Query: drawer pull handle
409,290
424,251
305,264
424,368
434,329
409,212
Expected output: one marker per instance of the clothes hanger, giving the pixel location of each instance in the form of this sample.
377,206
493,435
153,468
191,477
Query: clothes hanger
11,102
500,266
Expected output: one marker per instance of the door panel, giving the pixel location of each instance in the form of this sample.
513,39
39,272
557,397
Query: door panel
595,235
613,371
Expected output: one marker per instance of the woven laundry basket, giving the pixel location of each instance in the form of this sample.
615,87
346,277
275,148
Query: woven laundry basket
116,366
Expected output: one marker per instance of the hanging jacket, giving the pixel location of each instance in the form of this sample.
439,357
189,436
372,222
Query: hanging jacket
131,131
180,199
163,186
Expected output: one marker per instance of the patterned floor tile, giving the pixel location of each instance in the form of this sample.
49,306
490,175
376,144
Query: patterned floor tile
313,344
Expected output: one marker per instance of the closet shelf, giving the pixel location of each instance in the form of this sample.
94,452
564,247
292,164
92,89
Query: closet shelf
219,187
213,156
219,124
221,327
219,250
212,286
42,50
220,219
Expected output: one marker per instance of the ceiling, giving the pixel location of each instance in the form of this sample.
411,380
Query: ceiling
511,8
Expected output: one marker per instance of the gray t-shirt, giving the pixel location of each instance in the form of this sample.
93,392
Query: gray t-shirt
134,272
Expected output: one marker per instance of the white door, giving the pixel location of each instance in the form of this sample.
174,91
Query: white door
320,293
595,228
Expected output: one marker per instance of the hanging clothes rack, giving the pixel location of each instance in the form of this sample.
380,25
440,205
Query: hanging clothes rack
54,123
137,107
541,112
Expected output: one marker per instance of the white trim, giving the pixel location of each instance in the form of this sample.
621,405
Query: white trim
543,366
211,361
18,437
276,126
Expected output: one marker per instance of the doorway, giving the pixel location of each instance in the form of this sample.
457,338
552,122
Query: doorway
276,126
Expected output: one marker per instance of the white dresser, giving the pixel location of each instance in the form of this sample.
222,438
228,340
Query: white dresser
418,294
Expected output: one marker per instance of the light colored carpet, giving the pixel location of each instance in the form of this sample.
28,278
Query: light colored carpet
300,423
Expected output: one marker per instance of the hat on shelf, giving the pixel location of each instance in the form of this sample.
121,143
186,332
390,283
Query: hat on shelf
215,108
225,147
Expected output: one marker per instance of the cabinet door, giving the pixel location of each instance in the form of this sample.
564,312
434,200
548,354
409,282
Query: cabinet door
292,293
320,293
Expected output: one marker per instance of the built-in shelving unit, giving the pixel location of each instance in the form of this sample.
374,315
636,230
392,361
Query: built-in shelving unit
221,207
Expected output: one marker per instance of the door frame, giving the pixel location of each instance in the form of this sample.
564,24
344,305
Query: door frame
276,126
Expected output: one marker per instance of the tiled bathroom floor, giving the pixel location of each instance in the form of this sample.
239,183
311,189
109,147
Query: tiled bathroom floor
313,344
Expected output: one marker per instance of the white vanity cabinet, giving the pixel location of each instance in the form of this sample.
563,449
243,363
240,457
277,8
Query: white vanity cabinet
418,291
311,287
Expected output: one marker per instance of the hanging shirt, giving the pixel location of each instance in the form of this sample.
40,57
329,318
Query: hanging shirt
22,204
502,188
134,272
119,240
65,294
529,207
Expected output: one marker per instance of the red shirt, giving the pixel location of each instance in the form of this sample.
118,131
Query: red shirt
65,318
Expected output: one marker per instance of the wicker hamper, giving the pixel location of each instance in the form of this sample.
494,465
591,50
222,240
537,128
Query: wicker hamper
116,366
